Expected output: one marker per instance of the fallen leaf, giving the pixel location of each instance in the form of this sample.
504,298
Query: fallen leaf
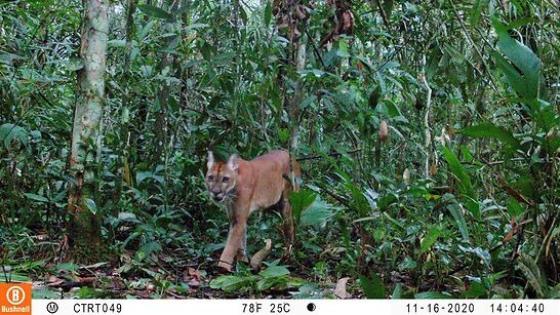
194,273
194,283
340,289
54,281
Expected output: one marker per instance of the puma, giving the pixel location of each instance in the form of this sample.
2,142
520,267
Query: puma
245,186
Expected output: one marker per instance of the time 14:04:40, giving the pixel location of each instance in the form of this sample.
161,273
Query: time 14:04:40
517,308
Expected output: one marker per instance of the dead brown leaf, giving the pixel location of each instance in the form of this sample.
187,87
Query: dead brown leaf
340,289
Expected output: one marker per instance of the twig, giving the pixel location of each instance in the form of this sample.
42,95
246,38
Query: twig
332,154
315,50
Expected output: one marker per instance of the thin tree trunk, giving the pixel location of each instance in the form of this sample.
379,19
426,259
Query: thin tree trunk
84,230
162,127
297,98
124,168
427,128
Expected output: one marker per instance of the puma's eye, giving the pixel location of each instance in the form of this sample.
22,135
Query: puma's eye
225,179
211,177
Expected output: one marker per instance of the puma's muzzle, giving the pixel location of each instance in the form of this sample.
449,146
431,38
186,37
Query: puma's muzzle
221,177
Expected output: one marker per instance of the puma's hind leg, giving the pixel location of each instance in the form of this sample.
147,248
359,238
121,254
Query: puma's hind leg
242,250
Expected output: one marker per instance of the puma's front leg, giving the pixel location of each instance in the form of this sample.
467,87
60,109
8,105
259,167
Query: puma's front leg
235,242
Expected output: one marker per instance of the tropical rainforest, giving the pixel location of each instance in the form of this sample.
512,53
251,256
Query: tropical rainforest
428,133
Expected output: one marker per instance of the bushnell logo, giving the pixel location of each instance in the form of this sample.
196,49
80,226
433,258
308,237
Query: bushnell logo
15,298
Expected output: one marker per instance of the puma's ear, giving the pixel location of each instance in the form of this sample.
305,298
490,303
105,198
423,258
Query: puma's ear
232,162
210,159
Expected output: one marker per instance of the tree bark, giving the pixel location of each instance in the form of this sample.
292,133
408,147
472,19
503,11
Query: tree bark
84,228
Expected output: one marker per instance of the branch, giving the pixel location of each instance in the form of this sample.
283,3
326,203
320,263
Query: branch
332,154
383,14
315,50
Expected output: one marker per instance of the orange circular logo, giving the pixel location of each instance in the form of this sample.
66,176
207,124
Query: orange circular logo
15,295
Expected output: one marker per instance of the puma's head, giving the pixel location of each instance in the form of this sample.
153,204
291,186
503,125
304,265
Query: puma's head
221,177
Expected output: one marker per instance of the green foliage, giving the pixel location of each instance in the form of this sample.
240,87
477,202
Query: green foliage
186,76
430,239
317,213
274,277
489,130
373,287
13,136
155,11
465,184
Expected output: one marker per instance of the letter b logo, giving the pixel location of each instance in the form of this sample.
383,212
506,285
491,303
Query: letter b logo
15,295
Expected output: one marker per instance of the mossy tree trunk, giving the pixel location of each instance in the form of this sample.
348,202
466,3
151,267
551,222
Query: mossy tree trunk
84,237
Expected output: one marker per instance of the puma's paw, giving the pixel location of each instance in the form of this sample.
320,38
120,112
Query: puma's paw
225,266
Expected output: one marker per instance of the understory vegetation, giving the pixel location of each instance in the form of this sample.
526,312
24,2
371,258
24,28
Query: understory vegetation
428,133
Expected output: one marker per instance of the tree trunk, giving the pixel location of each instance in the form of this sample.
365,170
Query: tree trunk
167,60
84,229
124,167
291,19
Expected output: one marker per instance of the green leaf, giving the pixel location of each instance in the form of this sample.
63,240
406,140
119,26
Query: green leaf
431,295
457,214
117,43
430,239
515,209
358,200
342,50
397,292
392,109
274,271
155,11
90,205
14,277
472,206
408,264
267,13
35,197
521,22
243,14
513,77
465,185
8,58
231,283
476,290
489,130
534,276
147,249
71,267
475,13
301,200
317,214
373,287
45,293
525,78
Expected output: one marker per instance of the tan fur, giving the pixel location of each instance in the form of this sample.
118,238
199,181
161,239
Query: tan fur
245,186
